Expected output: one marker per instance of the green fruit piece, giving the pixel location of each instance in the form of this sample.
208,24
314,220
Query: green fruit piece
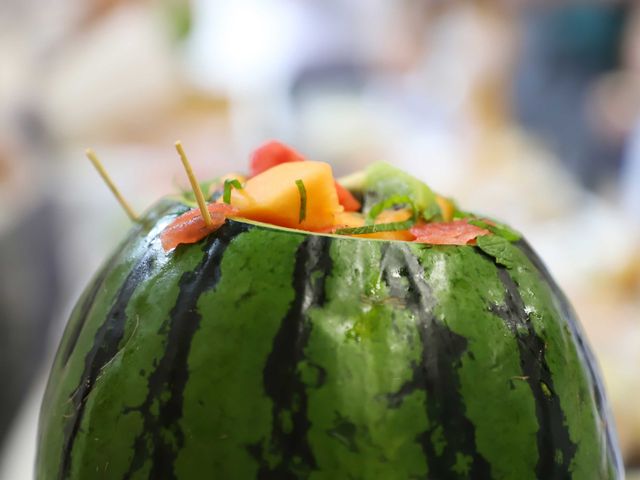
383,180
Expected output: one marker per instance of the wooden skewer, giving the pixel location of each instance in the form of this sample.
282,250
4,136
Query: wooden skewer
91,155
194,185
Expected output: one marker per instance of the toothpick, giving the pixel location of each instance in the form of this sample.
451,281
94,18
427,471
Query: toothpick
194,185
91,155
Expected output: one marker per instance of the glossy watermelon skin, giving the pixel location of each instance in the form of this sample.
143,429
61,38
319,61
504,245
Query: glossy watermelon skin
267,353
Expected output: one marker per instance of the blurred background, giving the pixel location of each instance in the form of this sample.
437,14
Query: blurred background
527,111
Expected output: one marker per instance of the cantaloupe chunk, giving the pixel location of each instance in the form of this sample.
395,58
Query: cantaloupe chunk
273,196
351,220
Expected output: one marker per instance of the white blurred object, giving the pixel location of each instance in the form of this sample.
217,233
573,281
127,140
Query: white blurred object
16,178
253,50
113,75
619,359
630,177
17,455
245,50
243,46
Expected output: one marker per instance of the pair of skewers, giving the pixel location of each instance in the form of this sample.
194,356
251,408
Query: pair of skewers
202,205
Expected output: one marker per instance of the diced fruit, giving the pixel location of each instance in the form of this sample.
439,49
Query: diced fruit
191,228
347,200
392,216
273,196
349,219
275,153
383,181
270,155
458,232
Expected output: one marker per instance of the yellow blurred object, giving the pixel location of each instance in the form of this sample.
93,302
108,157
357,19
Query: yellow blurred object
446,208
349,220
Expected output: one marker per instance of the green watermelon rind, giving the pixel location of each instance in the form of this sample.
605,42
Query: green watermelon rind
264,352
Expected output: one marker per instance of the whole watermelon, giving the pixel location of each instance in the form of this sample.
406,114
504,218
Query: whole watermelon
269,353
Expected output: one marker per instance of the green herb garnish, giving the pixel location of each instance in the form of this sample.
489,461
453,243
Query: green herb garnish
432,213
498,229
499,248
460,214
381,227
388,203
228,186
303,200
384,227
376,210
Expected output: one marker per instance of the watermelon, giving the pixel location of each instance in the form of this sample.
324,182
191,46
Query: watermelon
273,353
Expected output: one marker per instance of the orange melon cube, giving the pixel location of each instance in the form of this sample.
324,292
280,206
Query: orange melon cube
273,196
349,220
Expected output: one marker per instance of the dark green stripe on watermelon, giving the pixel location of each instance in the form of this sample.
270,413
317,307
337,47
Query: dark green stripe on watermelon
436,372
588,359
109,335
572,323
86,305
282,382
264,353
464,286
228,412
572,368
89,297
555,448
362,344
106,345
162,437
